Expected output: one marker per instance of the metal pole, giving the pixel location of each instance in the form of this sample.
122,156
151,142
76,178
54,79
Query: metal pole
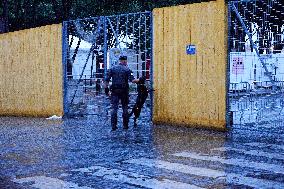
139,45
133,32
85,83
114,32
89,54
254,46
145,45
64,62
151,63
92,66
105,46
117,29
127,20
229,114
139,27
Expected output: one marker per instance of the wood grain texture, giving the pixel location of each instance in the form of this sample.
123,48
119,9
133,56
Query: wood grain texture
31,72
190,89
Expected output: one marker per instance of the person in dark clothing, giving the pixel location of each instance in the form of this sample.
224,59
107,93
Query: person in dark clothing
140,100
98,86
120,75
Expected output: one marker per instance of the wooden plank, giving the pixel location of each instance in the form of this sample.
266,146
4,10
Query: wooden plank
210,61
187,62
156,22
166,82
175,63
157,40
58,72
193,86
26,72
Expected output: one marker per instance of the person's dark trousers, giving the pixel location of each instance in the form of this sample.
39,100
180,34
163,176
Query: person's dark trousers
119,95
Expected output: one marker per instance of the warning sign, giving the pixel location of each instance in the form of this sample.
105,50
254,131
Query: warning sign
238,65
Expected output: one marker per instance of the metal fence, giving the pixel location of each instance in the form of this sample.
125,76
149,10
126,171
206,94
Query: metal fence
256,61
93,45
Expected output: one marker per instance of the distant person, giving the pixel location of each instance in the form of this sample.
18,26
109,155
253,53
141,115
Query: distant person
98,86
120,75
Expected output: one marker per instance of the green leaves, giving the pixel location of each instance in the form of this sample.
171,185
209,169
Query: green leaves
32,13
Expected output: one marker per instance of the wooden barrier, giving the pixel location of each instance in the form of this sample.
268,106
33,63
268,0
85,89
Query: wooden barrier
190,89
31,72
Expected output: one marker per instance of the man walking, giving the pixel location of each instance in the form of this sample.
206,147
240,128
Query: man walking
120,75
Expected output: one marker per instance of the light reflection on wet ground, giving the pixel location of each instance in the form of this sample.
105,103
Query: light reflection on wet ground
252,109
82,152
263,114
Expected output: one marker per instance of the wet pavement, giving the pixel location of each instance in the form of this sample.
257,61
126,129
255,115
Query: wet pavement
251,108
83,153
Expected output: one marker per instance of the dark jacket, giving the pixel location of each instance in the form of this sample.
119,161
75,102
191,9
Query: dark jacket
121,75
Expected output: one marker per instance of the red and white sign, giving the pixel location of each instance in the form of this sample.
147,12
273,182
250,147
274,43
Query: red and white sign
238,65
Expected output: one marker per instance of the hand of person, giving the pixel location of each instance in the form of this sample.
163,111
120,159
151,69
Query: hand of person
142,80
135,81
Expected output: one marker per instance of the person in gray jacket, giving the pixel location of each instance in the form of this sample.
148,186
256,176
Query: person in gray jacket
120,75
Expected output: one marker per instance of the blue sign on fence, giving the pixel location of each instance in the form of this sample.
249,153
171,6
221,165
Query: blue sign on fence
190,49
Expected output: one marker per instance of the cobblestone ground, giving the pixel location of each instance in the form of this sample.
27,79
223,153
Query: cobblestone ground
83,153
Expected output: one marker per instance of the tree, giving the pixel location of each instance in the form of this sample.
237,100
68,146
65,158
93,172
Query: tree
4,19
32,13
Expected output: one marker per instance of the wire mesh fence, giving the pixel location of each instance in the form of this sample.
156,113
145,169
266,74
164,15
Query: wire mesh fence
256,61
93,45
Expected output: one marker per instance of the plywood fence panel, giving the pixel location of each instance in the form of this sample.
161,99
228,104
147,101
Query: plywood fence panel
31,72
190,89
158,68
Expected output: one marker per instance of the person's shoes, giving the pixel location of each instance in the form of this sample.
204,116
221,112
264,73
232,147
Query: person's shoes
125,127
114,129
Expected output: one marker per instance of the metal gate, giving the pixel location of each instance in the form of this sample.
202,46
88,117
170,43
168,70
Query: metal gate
256,63
93,45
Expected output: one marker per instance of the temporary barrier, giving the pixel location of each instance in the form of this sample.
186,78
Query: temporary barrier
31,72
190,64
256,60
188,68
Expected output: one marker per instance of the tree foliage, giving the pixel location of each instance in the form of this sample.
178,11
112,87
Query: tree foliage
22,14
